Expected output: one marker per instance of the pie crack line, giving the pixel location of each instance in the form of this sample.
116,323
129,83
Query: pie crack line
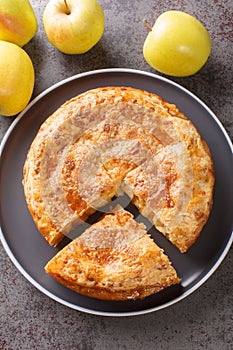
114,139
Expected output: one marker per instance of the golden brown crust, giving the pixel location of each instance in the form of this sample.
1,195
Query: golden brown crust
112,139
114,259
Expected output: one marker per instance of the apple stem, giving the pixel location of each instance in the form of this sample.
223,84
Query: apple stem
67,8
148,27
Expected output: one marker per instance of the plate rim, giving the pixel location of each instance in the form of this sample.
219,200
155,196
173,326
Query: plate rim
50,294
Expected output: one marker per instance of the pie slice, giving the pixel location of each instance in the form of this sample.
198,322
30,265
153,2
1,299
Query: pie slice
114,259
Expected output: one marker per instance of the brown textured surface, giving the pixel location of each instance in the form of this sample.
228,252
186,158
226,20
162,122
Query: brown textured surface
29,319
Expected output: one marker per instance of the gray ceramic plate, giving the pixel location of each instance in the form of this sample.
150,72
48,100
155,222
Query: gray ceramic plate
29,251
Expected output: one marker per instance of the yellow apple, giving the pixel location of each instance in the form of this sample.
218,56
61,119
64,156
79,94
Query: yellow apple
18,23
73,26
17,79
177,45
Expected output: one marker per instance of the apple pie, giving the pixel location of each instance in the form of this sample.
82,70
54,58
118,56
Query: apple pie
113,140
114,259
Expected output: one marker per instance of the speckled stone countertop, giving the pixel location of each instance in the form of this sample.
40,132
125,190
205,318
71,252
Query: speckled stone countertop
204,320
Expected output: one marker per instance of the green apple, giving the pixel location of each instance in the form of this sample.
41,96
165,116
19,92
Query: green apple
73,26
17,79
177,44
18,23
